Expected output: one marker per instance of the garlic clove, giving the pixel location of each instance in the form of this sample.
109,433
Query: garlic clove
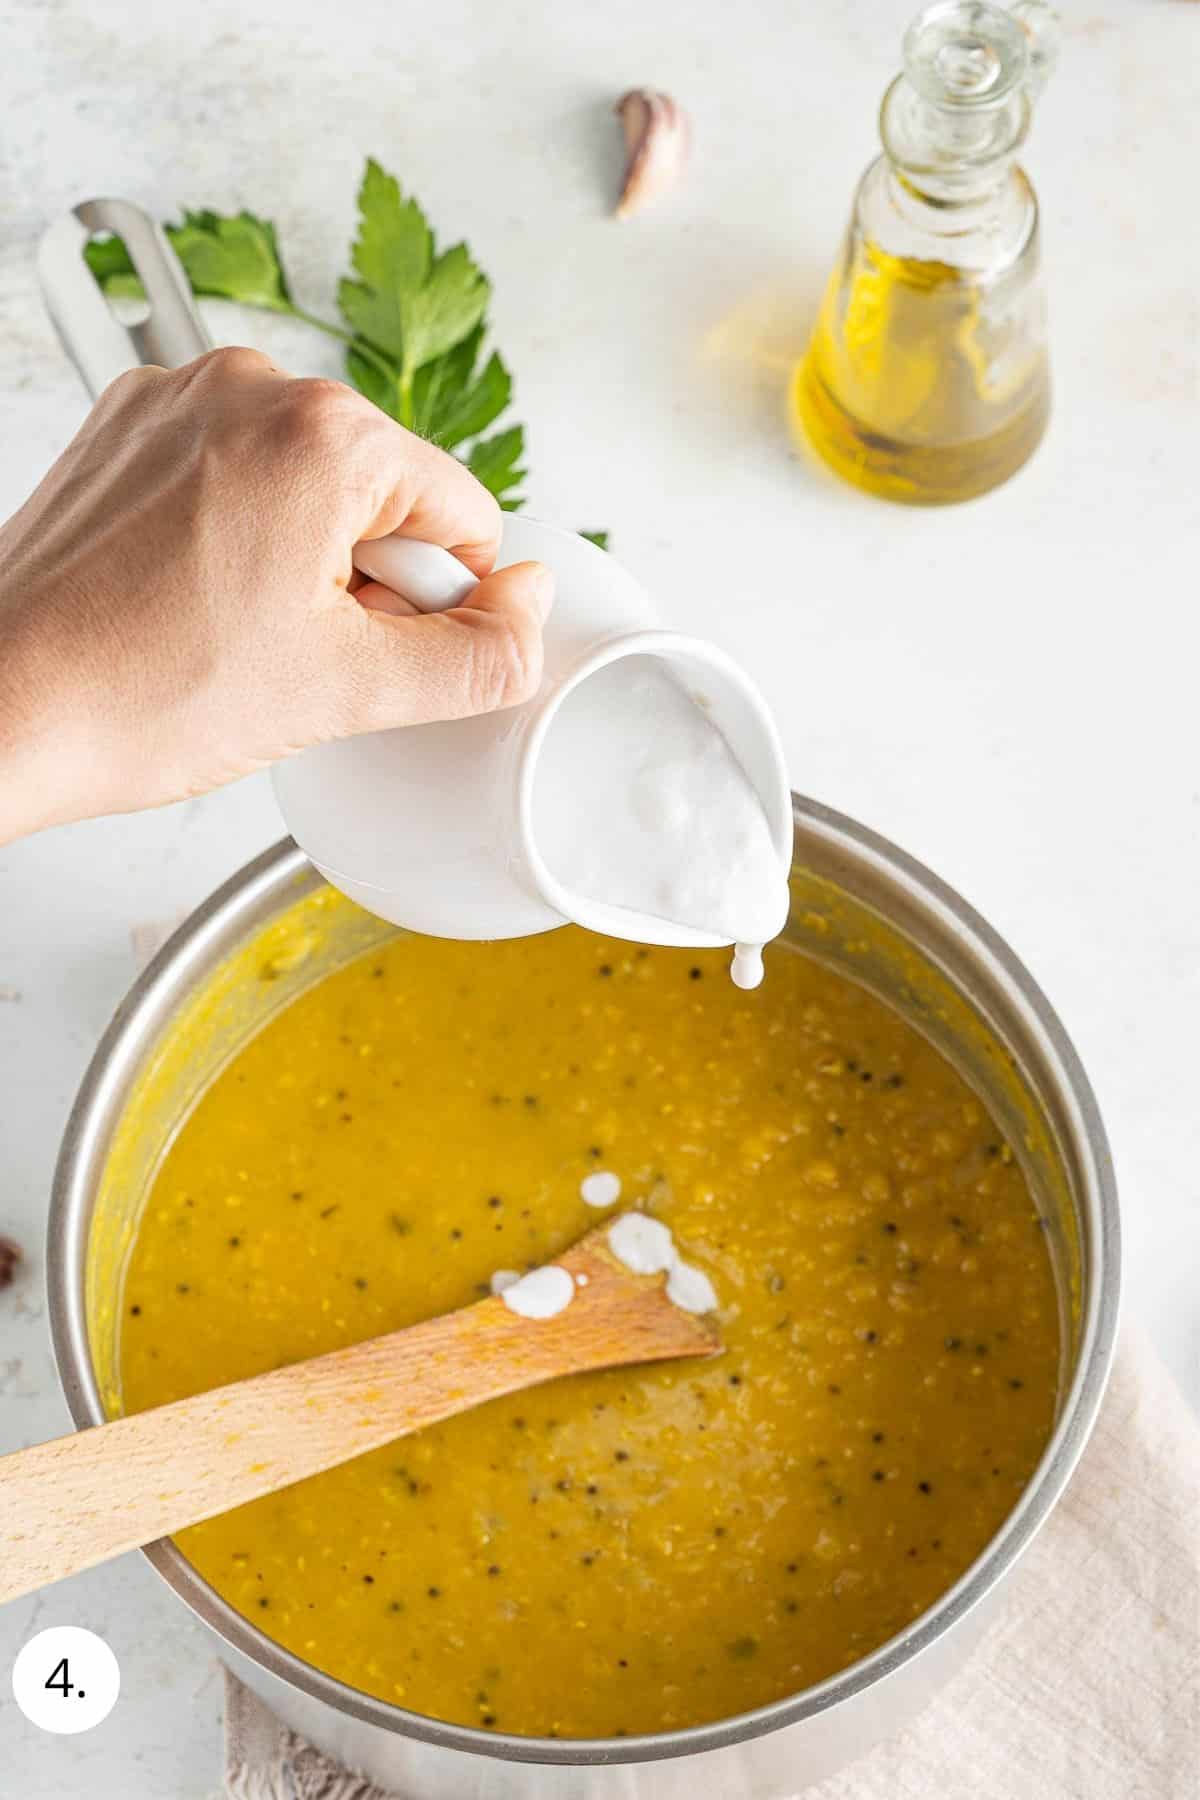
657,134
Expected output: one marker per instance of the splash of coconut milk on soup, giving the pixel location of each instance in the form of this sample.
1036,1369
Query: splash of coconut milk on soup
665,821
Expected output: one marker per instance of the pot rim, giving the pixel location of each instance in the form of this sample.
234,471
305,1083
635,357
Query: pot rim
118,1053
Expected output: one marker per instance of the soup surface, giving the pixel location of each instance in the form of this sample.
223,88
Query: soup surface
636,1551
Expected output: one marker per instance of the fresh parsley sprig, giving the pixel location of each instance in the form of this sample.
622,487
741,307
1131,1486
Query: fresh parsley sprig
415,318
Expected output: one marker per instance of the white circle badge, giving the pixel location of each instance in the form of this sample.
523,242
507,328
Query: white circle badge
66,1679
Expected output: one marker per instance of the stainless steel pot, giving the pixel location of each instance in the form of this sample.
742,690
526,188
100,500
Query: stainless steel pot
859,905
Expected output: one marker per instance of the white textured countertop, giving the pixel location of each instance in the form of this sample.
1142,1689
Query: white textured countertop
1007,689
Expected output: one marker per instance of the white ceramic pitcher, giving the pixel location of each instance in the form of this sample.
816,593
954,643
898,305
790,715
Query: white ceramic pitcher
432,826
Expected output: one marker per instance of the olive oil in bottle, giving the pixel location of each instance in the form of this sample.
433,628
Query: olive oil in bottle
926,379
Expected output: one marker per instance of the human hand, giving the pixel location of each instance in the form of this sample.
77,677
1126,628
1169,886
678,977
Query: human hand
178,605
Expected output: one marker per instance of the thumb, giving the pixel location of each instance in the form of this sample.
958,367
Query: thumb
477,657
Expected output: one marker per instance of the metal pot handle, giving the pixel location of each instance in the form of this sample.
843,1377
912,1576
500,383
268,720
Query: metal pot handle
170,331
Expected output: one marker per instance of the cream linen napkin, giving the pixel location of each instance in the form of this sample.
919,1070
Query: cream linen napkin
1087,1687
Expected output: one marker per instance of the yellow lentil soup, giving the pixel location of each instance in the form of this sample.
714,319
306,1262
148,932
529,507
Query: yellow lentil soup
637,1551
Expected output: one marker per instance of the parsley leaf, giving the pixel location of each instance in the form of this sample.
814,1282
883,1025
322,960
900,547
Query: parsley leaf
477,406
375,377
109,262
440,381
599,538
448,406
409,302
232,258
418,319
494,462
228,257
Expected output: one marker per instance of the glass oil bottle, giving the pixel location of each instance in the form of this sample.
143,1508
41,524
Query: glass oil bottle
926,379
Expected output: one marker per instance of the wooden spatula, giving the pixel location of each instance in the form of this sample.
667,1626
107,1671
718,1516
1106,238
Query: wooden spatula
78,1500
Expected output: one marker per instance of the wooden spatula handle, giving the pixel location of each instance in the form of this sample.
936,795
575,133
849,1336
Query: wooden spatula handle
78,1500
